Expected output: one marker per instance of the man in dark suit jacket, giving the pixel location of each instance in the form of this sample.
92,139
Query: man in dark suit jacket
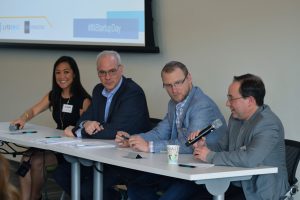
118,103
127,111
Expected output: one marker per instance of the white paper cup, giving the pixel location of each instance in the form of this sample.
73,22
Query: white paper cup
173,151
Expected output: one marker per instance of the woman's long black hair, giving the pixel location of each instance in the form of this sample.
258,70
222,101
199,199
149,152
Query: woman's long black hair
76,87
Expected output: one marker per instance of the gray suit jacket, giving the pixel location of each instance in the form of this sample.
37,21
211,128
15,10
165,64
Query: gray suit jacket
257,141
198,112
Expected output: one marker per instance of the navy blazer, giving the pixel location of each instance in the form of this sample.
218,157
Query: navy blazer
128,111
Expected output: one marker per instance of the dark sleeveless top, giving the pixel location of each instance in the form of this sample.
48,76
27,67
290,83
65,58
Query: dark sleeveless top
65,119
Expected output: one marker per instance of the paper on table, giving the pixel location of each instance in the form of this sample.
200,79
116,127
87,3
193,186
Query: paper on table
56,140
91,144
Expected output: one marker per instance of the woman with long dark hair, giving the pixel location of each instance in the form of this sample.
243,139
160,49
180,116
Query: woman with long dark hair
67,100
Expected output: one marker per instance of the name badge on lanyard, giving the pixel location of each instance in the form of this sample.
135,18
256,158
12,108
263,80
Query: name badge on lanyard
67,108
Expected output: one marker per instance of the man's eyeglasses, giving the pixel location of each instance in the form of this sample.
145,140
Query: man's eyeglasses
230,98
177,84
111,72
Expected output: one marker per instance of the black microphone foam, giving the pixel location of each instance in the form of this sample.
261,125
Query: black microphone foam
213,126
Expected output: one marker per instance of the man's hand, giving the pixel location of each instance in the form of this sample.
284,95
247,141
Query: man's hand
137,143
193,135
92,127
122,139
200,150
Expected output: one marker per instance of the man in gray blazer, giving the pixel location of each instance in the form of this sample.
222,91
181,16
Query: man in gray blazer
255,137
189,109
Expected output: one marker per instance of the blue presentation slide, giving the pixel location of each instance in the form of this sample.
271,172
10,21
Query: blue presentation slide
73,21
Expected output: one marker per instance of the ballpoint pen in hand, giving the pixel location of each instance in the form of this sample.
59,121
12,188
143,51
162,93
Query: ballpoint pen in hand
125,137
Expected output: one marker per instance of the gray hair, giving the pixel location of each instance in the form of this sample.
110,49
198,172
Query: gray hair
115,54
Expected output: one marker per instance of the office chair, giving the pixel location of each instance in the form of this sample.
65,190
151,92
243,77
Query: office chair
292,150
154,122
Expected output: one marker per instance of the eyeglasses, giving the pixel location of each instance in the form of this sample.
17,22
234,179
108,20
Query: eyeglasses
177,84
111,72
230,98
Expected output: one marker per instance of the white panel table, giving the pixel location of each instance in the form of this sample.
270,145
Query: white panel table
215,178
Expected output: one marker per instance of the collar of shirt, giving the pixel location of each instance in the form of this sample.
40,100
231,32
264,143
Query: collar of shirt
110,94
181,104
179,111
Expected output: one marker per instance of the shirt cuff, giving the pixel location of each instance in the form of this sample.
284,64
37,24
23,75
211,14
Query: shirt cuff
78,133
151,149
81,124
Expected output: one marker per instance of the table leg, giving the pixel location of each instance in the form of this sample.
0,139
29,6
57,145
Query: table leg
218,197
98,177
75,177
98,181
218,187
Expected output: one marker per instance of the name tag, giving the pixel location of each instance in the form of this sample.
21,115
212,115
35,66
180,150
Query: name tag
67,108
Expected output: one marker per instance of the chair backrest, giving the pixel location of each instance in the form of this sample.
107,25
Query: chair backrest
292,151
154,122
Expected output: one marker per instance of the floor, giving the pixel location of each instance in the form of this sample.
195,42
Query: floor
53,190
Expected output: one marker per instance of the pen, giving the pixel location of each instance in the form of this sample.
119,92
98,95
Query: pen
185,165
101,128
29,132
125,137
53,137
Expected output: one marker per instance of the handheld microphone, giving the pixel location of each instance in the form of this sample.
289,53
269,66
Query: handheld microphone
213,126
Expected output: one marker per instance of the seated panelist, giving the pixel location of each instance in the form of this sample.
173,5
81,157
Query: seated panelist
255,137
189,110
118,103
67,100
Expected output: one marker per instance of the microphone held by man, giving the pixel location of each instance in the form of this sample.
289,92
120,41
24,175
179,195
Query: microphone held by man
213,126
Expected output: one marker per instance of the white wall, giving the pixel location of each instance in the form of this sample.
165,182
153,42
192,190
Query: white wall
215,39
